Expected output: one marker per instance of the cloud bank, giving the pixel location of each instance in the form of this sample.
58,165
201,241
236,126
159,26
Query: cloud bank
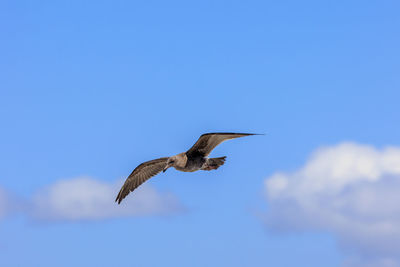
350,190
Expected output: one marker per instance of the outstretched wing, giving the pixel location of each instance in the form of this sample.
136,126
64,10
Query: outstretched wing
143,172
207,142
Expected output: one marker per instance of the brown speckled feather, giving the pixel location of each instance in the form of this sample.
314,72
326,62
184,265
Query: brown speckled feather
207,142
140,174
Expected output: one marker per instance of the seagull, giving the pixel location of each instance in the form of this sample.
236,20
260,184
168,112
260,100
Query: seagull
196,158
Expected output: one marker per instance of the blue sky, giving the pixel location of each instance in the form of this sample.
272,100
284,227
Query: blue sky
90,90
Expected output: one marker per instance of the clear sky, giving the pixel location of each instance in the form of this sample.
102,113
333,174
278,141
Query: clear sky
90,89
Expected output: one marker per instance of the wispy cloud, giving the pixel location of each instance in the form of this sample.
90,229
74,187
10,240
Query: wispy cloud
89,199
85,198
351,190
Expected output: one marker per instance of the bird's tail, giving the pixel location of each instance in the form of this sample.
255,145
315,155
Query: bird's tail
213,163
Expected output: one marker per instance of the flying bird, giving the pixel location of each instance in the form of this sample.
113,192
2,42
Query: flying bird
196,158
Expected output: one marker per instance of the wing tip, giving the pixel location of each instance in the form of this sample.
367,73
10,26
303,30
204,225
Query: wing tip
245,134
119,198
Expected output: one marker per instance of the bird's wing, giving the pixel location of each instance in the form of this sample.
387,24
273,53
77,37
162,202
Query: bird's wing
207,142
140,174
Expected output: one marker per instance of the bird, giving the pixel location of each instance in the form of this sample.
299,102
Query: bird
196,158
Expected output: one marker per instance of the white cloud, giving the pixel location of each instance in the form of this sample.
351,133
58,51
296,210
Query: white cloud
351,190
86,198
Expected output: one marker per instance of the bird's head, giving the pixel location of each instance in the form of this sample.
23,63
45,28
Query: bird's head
170,163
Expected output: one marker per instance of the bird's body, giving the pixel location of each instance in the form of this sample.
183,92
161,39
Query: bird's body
196,158
194,163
